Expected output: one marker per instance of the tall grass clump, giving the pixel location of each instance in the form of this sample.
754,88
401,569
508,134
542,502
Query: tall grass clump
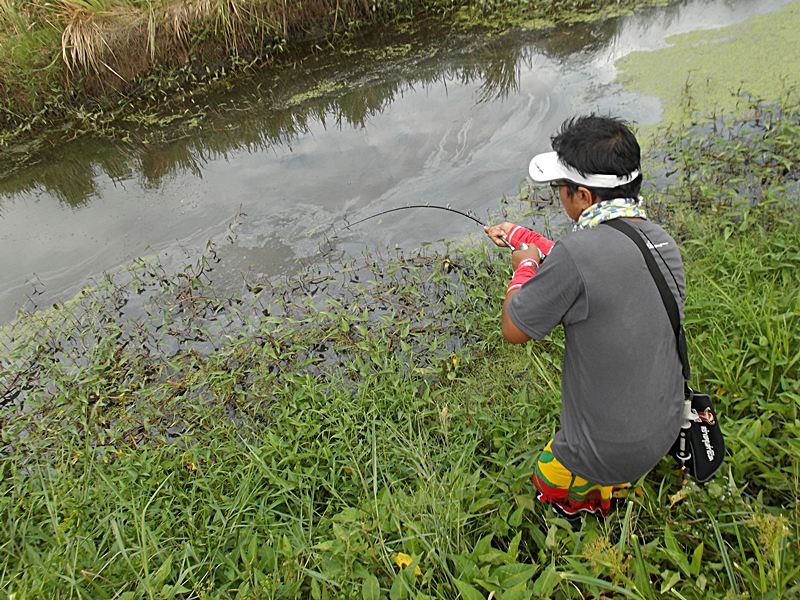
364,431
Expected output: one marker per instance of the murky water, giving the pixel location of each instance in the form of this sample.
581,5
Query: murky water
282,162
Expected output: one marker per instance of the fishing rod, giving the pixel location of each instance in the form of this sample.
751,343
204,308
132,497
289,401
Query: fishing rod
434,206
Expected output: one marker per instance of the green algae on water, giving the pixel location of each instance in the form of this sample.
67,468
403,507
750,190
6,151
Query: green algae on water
326,88
710,71
542,15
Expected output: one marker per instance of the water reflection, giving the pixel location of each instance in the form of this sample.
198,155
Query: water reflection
349,88
68,171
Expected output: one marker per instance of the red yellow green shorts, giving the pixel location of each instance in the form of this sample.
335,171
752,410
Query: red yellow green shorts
570,494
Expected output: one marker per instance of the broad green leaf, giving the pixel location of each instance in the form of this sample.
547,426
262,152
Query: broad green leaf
399,590
513,548
467,591
546,582
524,594
479,505
349,515
515,520
465,568
670,583
550,542
371,589
601,584
494,557
316,592
697,560
512,575
163,573
675,552
483,546
340,532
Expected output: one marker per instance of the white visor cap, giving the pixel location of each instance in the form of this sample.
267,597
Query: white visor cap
548,167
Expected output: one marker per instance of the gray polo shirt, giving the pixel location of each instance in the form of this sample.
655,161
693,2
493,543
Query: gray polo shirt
621,383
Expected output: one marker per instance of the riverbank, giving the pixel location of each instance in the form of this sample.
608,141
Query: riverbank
89,64
366,431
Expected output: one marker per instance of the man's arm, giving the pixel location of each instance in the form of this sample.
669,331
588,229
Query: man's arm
512,233
511,332
524,263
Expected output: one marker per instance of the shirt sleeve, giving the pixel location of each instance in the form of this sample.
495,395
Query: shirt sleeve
556,294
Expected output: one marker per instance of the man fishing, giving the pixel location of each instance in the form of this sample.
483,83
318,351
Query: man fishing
622,384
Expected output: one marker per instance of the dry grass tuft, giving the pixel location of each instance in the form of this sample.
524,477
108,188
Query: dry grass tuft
605,558
109,42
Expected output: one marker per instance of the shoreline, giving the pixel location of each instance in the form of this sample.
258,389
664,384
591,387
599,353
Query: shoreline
67,85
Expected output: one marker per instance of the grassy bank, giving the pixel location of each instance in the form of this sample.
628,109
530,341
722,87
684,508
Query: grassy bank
81,59
366,432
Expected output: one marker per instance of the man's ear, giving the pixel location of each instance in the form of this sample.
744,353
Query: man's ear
584,197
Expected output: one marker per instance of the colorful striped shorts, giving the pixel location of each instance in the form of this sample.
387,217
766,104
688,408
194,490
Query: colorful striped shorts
570,494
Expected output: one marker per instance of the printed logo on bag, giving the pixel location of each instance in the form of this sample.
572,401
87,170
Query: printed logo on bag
706,416
707,443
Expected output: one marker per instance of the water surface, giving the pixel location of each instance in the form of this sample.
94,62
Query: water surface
282,160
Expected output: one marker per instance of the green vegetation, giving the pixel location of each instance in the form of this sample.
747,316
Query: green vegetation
365,432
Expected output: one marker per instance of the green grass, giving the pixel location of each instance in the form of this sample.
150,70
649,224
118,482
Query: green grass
290,442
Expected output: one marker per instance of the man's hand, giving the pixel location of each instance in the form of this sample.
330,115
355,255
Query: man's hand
525,262
509,234
517,256
498,233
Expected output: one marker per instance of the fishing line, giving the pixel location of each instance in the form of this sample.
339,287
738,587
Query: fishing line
434,206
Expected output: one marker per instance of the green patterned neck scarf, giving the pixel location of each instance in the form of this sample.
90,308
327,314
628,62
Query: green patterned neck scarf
610,209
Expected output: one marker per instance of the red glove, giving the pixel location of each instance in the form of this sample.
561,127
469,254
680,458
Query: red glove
520,235
525,271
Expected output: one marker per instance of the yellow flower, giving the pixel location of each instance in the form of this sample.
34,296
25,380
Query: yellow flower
403,560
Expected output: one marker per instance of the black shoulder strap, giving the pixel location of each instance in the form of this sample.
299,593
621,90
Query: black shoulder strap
666,295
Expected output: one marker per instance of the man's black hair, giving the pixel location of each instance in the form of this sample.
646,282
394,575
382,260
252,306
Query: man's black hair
600,145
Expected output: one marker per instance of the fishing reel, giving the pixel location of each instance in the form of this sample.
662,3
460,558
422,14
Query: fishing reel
524,246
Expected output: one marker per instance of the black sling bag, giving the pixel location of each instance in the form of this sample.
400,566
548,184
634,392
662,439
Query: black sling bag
700,447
